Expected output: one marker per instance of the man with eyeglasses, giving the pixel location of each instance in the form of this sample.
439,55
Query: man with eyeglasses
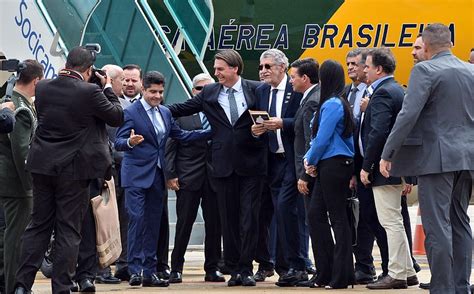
188,173
277,97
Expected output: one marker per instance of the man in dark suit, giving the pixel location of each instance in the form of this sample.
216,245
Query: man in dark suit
16,192
386,98
369,228
432,138
187,172
142,175
238,160
304,74
68,150
277,97
7,118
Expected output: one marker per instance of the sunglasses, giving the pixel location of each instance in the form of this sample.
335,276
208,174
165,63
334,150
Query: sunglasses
266,66
199,88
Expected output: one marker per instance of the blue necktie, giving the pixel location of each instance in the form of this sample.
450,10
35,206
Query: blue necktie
272,137
158,128
234,112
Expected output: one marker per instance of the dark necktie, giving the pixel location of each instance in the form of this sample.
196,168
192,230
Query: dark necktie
272,137
352,96
234,112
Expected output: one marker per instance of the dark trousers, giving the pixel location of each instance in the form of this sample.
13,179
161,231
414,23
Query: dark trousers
87,258
162,250
61,203
303,230
285,195
238,198
17,211
121,262
444,200
369,229
265,255
144,208
407,225
187,204
333,261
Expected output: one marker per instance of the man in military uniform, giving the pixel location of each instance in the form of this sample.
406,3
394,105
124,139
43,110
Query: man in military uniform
16,191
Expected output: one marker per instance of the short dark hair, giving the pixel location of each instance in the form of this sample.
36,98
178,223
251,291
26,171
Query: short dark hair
33,70
437,35
232,58
472,49
383,57
153,77
309,67
79,59
132,67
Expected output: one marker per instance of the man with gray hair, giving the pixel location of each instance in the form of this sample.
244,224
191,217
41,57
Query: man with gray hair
188,173
432,138
277,97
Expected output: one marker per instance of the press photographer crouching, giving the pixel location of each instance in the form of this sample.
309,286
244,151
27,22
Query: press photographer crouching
16,188
69,149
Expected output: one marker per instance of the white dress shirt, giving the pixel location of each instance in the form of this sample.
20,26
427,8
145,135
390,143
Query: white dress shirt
223,99
279,104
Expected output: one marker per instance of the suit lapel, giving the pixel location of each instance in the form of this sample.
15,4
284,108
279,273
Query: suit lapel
249,97
266,98
286,98
146,119
214,101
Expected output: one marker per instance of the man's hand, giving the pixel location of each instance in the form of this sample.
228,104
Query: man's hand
274,123
303,187
385,167
310,169
135,139
8,105
363,103
173,184
353,183
364,177
258,129
104,80
407,189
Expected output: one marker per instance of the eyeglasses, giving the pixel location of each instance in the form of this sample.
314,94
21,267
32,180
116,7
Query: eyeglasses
266,66
199,88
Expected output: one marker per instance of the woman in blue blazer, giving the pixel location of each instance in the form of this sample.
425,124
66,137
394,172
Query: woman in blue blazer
330,160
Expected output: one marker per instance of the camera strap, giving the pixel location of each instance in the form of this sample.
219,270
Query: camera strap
71,74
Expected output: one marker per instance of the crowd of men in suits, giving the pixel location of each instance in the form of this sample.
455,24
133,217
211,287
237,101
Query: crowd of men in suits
251,179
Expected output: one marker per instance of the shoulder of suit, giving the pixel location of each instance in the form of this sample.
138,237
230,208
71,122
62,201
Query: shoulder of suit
251,83
165,109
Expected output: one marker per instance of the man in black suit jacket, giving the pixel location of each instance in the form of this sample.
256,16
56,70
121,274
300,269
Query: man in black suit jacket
238,160
304,75
377,121
69,149
187,173
277,97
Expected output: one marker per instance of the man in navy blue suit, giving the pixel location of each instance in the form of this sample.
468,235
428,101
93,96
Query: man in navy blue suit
277,97
142,175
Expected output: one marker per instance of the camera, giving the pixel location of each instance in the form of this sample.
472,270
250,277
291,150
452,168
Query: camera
94,49
11,65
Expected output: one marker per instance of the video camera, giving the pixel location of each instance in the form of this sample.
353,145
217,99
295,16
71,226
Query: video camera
95,49
14,66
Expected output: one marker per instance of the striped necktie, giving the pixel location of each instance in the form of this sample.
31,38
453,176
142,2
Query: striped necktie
234,112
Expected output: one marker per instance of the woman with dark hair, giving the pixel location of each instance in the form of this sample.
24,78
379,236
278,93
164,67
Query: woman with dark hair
330,160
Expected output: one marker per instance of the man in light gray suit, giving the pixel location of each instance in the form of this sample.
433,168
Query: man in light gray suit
433,138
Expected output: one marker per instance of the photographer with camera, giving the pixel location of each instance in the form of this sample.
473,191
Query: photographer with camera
69,149
16,192
7,118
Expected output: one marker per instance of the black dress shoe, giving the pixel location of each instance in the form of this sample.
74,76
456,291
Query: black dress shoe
214,276
309,283
135,280
291,278
248,281
107,278
362,278
21,290
164,274
86,285
412,281
175,277
425,286
154,281
235,280
262,274
388,283
74,288
225,270
311,270
122,274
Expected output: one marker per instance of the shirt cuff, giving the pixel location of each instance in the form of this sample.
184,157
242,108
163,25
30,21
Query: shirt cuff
128,144
107,86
